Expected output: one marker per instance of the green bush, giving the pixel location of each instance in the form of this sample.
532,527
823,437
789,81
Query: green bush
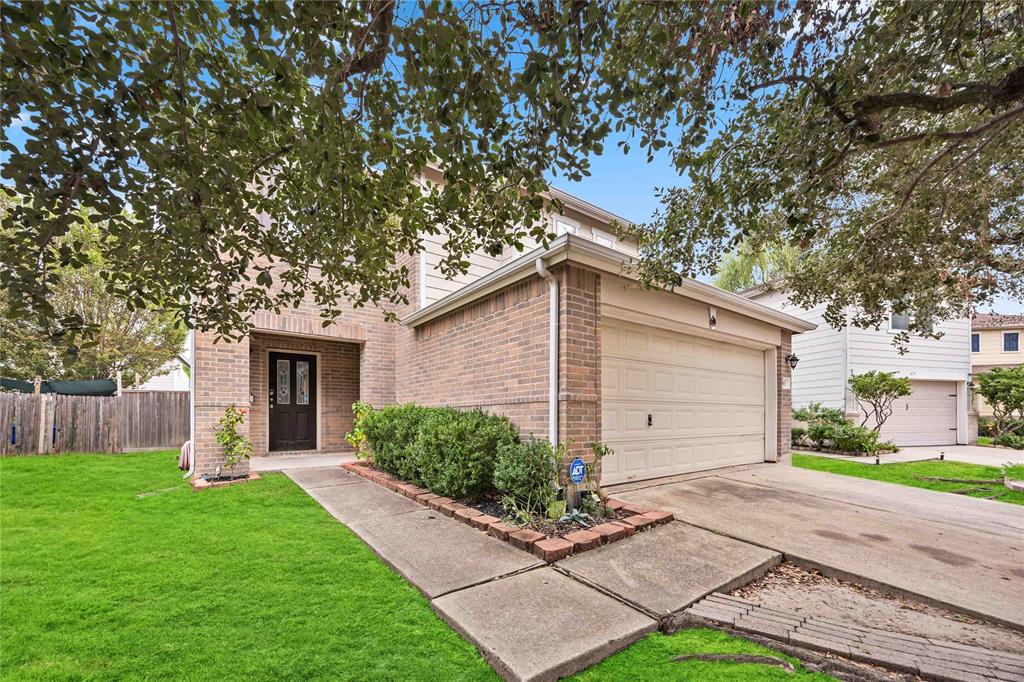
816,414
798,434
455,451
850,438
526,474
390,433
820,433
1011,440
986,426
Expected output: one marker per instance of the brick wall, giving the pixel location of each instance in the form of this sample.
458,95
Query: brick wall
579,357
338,368
490,354
218,384
785,396
493,354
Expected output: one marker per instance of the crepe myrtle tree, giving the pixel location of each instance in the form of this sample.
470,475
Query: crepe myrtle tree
243,156
876,392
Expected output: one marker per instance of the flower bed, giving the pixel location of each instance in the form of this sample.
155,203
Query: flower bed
629,519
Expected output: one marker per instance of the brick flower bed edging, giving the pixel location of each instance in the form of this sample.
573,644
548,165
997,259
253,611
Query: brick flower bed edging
202,484
548,548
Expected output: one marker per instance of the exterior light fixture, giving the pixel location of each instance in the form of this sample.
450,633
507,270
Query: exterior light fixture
792,359
971,386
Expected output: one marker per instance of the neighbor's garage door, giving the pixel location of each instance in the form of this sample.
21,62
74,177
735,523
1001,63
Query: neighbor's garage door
926,417
673,403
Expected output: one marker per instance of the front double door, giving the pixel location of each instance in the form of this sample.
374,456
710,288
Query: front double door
292,394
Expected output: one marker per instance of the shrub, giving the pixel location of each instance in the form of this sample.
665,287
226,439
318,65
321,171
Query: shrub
986,426
798,434
357,436
236,446
815,413
850,438
526,474
821,433
455,451
1010,440
390,433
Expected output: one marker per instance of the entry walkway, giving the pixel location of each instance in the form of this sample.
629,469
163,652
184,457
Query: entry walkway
530,620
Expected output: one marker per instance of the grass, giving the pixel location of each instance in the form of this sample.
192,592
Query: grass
908,473
111,567
651,659
986,440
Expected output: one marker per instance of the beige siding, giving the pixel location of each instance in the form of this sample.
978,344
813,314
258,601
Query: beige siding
991,350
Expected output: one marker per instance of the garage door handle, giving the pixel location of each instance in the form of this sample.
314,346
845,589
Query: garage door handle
650,420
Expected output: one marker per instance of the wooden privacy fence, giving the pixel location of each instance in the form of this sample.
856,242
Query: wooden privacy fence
134,420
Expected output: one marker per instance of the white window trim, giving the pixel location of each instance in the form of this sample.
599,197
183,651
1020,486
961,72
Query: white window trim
1003,338
571,226
975,335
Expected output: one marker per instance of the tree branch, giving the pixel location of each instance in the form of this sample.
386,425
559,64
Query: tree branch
1009,89
1009,114
379,29
180,76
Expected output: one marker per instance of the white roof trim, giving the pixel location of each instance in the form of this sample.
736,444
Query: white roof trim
603,258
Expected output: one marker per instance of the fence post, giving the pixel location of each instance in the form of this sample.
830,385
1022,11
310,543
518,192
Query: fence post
41,439
37,385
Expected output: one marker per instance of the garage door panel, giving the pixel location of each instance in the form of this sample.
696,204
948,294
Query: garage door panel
631,379
706,401
926,417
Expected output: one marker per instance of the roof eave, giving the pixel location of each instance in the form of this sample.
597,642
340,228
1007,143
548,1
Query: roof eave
606,259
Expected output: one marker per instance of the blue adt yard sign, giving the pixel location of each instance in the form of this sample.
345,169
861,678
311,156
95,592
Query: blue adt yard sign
577,471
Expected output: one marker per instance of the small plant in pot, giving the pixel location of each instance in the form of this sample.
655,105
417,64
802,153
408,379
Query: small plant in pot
237,448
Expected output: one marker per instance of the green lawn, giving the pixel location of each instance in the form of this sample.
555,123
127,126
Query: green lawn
907,473
651,659
112,568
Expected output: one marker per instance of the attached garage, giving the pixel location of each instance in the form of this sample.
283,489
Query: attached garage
928,416
674,403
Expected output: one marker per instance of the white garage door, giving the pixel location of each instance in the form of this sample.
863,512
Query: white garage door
673,403
925,417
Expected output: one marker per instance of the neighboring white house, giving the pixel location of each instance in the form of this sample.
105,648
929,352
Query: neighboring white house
174,376
938,410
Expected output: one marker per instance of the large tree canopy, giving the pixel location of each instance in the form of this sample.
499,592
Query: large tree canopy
886,135
136,342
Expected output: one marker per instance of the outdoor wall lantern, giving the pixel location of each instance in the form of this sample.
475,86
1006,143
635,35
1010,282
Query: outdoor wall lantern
792,360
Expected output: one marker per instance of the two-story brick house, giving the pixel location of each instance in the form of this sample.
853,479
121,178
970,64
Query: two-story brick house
559,338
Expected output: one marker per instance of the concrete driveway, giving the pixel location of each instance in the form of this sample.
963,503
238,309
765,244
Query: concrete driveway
957,551
973,454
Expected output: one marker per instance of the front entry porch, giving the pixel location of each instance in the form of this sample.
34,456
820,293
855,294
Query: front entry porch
301,394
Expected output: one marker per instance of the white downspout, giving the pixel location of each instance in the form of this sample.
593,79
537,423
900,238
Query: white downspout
192,406
552,351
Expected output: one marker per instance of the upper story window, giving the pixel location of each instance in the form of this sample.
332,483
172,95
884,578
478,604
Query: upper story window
1011,342
899,322
975,343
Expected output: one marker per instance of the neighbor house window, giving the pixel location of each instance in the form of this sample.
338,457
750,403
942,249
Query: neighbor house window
975,343
1011,342
899,322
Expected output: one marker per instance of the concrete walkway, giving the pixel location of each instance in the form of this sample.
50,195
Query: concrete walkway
530,620
285,462
958,551
971,454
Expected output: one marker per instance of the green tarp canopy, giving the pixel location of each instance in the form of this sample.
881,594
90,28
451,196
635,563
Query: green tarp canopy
87,387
